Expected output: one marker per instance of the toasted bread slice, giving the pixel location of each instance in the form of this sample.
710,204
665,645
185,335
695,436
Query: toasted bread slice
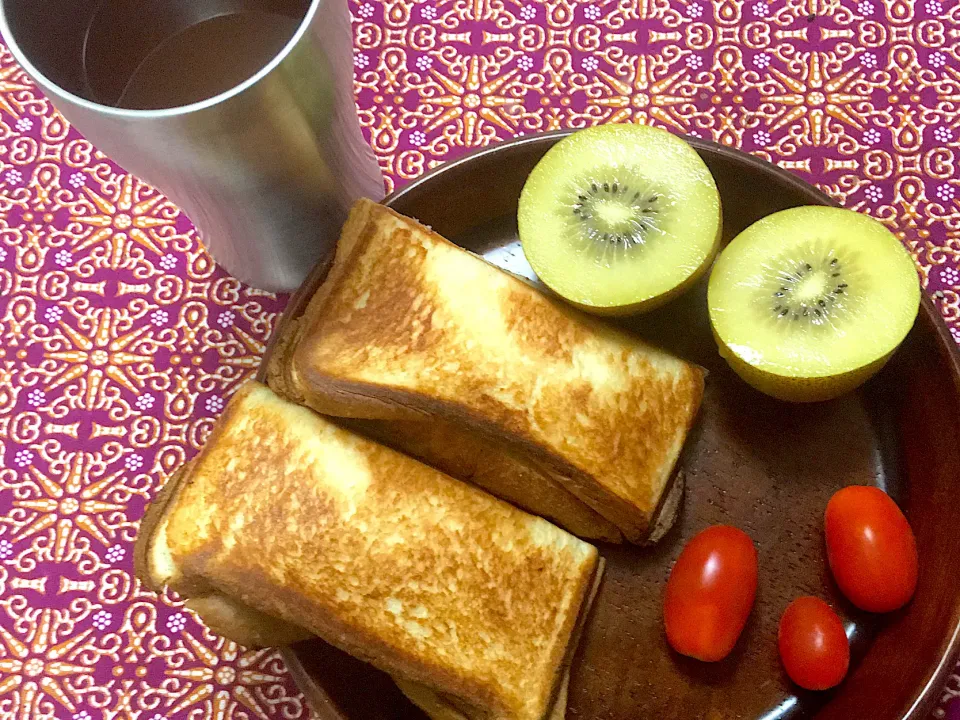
415,333
287,523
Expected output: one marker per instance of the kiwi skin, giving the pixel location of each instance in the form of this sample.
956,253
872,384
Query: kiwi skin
653,303
800,389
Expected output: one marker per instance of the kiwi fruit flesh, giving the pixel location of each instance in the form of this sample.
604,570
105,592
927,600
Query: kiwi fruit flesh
619,218
808,303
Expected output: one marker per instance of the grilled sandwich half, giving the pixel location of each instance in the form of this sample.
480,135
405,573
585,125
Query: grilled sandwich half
287,526
435,351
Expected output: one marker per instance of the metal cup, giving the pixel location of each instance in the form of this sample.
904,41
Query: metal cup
265,168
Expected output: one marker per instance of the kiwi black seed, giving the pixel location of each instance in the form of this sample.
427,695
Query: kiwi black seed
810,291
614,215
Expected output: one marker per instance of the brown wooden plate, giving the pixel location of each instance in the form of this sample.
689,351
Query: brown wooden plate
765,466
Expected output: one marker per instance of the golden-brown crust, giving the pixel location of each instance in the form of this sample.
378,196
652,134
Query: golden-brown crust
152,517
392,561
446,708
279,371
407,326
470,456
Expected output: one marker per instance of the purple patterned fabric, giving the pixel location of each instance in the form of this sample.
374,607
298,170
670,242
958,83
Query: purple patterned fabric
120,340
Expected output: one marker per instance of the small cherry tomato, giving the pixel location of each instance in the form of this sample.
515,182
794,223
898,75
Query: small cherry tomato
710,593
871,549
813,646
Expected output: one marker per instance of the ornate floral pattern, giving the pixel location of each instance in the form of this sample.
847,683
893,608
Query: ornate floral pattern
120,339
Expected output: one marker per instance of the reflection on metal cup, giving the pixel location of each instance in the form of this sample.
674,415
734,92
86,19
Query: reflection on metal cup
241,111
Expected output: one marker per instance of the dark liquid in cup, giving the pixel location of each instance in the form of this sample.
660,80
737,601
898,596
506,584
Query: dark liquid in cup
206,59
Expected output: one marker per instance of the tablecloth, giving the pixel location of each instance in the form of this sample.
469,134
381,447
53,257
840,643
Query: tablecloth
120,340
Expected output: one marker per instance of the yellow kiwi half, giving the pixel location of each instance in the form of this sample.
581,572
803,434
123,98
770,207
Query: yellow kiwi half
619,218
808,303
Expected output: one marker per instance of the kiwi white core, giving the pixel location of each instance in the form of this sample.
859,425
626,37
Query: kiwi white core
810,289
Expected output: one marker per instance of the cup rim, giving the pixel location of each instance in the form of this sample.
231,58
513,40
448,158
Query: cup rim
132,114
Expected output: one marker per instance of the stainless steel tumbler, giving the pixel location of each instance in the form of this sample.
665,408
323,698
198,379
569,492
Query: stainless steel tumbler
266,167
